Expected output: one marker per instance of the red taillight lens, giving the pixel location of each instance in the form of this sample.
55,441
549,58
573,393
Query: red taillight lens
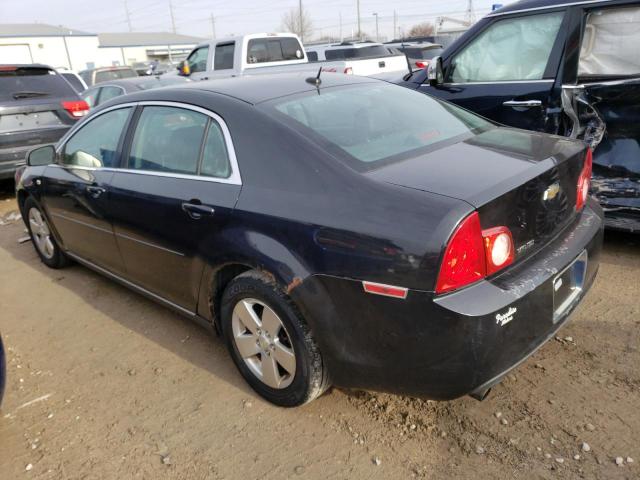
473,253
584,181
498,248
421,64
348,71
76,108
464,257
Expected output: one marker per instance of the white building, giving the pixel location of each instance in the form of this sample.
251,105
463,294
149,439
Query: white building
54,46
77,50
129,48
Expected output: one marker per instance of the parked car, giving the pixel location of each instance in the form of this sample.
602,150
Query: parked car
37,107
349,231
266,53
3,370
104,74
104,91
565,68
418,53
73,78
360,58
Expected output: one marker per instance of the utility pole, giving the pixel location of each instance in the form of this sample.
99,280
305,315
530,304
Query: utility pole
213,26
340,18
395,23
358,10
126,12
173,20
300,20
377,35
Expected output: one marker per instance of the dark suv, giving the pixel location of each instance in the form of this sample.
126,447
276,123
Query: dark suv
37,107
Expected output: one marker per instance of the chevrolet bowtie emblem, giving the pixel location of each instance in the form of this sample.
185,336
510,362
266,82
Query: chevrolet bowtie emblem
551,191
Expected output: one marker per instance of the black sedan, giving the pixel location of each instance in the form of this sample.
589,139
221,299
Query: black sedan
345,231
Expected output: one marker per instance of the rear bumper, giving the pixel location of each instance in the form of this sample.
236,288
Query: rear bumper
14,147
447,346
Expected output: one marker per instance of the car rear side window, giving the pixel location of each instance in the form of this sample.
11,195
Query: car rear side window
512,49
215,158
95,144
262,50
371,123
223,59
168,139
312,56
109,92
24,83
610,43
361,52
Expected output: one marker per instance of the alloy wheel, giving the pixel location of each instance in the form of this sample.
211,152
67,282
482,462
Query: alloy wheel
41,234
263,343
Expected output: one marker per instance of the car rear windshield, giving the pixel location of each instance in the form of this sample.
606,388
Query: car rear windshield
372,124
261,50
115,74
423,53
23,83
361,52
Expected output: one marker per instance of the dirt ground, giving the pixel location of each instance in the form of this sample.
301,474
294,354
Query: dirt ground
104,384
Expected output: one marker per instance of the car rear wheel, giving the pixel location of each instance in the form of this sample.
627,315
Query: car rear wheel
270,342
43,241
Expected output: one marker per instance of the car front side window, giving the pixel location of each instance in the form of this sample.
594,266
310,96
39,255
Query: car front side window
110,92
168,139
96,143
198,60
514,49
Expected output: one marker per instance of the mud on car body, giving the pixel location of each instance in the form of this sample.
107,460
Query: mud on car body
348,231
565,67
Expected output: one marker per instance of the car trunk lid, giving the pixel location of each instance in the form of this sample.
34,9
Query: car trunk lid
522,180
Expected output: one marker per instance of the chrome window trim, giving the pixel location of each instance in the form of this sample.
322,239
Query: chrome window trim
234,179
548,80
547,7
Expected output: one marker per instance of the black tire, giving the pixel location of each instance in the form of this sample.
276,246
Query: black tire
57,259
311,378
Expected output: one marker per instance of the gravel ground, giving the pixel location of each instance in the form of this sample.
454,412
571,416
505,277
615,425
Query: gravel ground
102,383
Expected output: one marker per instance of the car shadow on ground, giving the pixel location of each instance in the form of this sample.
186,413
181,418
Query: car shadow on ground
173,332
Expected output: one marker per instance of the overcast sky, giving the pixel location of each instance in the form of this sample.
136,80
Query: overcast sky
192,17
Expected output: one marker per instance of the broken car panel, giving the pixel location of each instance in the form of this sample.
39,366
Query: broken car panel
567,68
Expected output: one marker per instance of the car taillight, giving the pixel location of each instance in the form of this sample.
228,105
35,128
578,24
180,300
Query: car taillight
421,64
584,181
76,108
472,254
348,71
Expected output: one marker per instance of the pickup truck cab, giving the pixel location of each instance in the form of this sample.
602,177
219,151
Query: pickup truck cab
567,68
357,58
247,54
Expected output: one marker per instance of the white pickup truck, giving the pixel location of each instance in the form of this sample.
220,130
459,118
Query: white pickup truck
260,53
359,58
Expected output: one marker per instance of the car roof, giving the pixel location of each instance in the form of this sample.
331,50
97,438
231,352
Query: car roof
26,65
524,5
260,88
115,67
133,84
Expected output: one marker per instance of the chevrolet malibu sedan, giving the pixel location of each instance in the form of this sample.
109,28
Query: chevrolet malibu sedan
336,231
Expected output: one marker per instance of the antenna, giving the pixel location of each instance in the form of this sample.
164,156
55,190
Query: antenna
315,80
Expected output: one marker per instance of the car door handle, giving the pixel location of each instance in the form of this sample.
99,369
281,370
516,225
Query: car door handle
94,191
523,103
197,211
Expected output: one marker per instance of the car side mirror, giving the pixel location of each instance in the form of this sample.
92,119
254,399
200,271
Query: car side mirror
435,73
41,156
184,69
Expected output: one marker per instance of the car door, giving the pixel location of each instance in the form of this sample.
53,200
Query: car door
178,188
605,104
507,71
76,188
197,62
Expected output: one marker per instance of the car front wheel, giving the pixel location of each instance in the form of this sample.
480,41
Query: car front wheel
45,244
270,342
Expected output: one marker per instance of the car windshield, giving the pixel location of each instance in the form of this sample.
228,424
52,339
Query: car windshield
115,74
376,123
18,83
